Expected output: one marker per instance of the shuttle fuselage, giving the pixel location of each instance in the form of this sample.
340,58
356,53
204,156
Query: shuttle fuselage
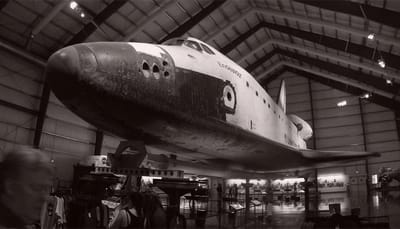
183,96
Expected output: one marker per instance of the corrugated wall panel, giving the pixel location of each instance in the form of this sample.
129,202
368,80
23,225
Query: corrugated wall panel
370,107
18,98
53,99
355,147
377,126
320,94
62,113
379,116
13,79
19,85
384,146
339,131
66,146
16,117
331,102
13,63
69,130
110,144
339,141
386,157
382,136
337,121
12,135
335,112
300,98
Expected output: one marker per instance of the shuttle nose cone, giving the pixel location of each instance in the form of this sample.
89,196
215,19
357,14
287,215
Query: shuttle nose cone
62,70
63,63
67,68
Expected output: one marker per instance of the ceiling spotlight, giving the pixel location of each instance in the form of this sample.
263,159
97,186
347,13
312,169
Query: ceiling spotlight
366,96
382,63
82,15
73,5
388,81
342,103
371,36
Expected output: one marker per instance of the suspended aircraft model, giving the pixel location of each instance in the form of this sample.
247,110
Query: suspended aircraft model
185,97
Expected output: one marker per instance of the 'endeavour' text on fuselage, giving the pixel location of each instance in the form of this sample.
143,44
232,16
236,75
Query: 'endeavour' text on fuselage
227,67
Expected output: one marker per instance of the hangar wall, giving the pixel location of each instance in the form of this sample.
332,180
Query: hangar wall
20,89
66,137
340,128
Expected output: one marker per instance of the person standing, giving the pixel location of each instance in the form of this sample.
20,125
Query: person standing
269,212
25,182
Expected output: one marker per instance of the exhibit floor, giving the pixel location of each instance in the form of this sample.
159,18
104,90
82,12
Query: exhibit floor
380,207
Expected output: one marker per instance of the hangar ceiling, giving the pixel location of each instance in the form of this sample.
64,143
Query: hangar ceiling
324,40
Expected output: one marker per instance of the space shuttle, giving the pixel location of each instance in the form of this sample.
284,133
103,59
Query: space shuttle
183,96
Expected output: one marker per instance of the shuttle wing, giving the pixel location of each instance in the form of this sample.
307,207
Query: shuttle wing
328,156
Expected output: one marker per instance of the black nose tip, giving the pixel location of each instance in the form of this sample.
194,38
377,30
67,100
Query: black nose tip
63,63
62,69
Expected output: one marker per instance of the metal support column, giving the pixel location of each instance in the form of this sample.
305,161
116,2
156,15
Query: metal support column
397,119
247,201
312,114
306,197
44,101
316,200
367,181
99,142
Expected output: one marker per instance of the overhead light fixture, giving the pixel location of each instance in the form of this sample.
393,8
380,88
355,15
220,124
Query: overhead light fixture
366,96
73,5
342,103
82,15
371,36
389,81
381,63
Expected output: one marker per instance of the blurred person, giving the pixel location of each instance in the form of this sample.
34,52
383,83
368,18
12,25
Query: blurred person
139,210
269,212
25,183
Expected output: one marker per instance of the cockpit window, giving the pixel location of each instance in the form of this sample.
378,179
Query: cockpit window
207,49
193,45
174,42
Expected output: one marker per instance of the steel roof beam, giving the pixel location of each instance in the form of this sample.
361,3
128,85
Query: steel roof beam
49,16
189,24
260,61
315,76
381,100
385,73
334,43
318,22
373,13
331,76
384,39
343,71
89,28
272,76
150,18
217,33
232,45
3,3
23,53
